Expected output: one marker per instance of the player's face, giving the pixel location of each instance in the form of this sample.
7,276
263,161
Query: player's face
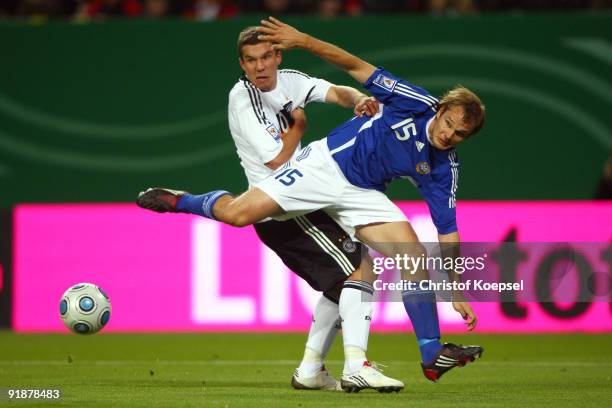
260,64
448,128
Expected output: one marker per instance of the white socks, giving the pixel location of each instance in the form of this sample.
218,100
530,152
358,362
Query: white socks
356,313
355,310
323,331
354,357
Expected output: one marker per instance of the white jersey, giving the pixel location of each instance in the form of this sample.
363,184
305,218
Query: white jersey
257,119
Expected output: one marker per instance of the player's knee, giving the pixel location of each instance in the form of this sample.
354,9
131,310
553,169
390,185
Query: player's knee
409,249
231,214
237,218
242,221
413,250
418,249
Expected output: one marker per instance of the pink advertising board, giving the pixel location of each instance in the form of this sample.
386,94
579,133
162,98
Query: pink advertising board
168,272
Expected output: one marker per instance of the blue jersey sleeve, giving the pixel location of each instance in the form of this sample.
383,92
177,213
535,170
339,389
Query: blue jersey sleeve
440,195
397,94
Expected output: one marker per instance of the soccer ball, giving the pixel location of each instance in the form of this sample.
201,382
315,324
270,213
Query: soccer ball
85,308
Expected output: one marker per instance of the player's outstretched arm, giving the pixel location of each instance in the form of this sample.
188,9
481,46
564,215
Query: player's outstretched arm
348,97
450,248
286,37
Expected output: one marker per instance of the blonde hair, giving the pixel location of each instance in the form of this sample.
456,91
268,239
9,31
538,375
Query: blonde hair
474,110
248,36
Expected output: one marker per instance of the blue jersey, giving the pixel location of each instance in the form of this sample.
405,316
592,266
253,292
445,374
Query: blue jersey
373,151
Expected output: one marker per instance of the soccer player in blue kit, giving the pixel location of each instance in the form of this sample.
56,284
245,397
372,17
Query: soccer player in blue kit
413,136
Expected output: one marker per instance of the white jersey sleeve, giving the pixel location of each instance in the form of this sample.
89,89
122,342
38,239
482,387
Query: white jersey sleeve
318,91
306,89
251,129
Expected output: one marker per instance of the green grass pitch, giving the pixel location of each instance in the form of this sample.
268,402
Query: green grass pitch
254,370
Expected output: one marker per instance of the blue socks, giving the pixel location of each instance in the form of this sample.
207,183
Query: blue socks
200,204
421,307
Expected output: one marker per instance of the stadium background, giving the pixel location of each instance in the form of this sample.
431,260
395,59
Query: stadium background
83,106
94,113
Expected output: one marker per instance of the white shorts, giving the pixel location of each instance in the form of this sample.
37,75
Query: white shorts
313,181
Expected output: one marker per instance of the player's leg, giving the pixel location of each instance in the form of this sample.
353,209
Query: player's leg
419,302
305,180
342,258
295,189
380,224
318,250
311,373
249,207
337,258
399,238
356,313
246,209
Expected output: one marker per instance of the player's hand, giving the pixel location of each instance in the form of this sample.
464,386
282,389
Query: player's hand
367,105
465,310
299,117
282,35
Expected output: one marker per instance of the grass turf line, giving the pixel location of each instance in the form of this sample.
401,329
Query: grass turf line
236,370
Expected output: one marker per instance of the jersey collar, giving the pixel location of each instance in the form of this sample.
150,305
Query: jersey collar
427,130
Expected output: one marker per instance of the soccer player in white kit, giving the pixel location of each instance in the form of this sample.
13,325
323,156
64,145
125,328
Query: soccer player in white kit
267,122
262,106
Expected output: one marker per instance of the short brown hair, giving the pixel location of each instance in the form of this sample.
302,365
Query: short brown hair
474,110
248,36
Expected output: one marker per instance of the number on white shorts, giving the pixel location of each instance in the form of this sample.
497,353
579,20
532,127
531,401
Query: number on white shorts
288,176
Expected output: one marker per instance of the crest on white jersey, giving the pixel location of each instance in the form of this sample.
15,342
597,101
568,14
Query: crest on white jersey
274,133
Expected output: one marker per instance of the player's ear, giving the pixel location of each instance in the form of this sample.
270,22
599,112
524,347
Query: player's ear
279,56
